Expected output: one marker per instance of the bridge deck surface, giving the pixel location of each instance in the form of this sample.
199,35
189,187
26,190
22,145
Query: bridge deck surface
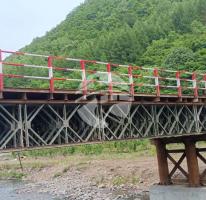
24,95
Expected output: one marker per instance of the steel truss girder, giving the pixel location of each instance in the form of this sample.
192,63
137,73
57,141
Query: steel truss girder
42,125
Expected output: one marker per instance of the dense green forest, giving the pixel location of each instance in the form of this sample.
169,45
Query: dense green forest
143,32
167,33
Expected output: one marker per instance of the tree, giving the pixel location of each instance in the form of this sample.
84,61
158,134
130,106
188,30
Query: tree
179,58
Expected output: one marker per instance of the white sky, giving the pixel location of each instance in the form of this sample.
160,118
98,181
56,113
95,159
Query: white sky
23,20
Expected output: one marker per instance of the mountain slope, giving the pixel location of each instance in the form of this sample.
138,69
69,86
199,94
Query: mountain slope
126,31
167,33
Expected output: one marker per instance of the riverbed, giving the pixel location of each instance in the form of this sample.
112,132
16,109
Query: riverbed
13,190
79,177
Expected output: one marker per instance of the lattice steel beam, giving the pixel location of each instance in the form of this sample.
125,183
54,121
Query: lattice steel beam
43,125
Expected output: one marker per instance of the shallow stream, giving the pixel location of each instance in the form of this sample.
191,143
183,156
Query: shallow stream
9,190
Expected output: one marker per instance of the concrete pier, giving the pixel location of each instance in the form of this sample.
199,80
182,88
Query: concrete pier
158,192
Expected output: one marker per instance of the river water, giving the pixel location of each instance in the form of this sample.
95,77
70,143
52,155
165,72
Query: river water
9,190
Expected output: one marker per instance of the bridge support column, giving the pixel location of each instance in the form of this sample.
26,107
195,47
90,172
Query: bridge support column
184,160
162,162
192,163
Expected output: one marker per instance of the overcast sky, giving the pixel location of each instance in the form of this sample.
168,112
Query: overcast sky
23,20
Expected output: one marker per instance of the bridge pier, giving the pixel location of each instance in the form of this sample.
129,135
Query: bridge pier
192,163
190,153
163,167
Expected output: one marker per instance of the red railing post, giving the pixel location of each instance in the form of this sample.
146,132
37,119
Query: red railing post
110,86
1,72
179,88
205,84
131,82
51,75
84,79
157,85
195,88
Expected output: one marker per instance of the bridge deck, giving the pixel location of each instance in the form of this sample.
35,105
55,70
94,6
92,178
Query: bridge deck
34,96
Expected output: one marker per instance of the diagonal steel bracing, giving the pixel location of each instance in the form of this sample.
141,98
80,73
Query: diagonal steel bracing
42,125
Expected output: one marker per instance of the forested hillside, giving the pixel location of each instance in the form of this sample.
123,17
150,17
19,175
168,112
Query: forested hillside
144,32
167,33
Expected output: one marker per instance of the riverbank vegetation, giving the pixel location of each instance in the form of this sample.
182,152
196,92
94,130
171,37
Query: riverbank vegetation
119,147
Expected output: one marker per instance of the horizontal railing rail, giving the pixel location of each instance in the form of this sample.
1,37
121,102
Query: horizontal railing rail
88,76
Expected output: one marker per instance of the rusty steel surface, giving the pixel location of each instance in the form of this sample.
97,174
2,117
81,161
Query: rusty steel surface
185,161
162,161
192,163
35,96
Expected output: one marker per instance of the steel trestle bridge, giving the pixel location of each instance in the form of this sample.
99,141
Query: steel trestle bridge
52,101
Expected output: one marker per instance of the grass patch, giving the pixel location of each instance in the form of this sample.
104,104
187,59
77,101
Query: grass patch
6,175
124,180
119,180
142,147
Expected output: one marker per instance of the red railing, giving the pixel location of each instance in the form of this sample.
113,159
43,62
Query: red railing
131,80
